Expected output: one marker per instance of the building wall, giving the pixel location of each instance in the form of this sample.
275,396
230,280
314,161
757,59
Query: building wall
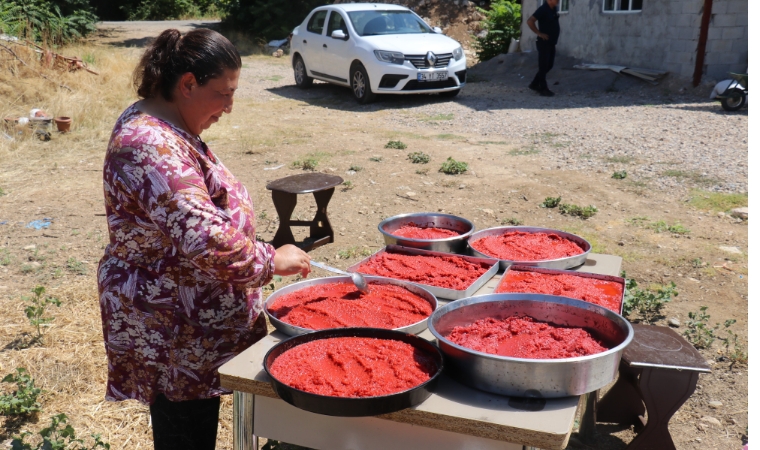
727,41
662,36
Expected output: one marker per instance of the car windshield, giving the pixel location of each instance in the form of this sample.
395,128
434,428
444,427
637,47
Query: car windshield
373,23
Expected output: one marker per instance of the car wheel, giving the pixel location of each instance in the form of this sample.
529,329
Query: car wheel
449,94
303,80
737,98
360,84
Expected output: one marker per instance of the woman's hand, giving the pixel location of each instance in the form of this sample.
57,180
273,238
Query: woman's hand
290,260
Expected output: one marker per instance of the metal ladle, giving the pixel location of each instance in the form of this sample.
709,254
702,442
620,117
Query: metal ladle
358,280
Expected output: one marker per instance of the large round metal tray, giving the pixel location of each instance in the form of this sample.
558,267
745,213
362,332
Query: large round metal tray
561,263
455,244
520,377
292,330
350,406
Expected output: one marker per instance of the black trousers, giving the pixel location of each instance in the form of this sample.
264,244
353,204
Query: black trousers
546,52
188,425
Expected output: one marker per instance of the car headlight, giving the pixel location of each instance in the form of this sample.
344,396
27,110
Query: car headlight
458,53
390,57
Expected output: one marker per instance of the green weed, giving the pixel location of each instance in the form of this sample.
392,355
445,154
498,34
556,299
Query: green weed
584,212
2,192
58,437
492,142
694,177
353,252
449,136
551,202
514,221
530,150
647,304
717,201
418,158
23,400
619,175
35,311
310,161
347,185
77,267
395,144
356,168
5,257
453,167
438,117
272,78
422,171
376,158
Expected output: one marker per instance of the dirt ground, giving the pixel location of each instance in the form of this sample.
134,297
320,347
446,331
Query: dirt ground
520,149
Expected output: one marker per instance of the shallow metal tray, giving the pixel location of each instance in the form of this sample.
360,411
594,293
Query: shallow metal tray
444,293
454,244
532,378
595,276
292,330
561,263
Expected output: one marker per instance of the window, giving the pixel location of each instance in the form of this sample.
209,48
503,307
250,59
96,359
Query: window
562,6
336,22
317,22
372,23
622,5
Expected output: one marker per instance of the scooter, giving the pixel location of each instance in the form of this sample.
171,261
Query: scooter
732,94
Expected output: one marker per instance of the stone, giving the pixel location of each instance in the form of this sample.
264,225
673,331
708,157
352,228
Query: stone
410,194
35,265
715,404
740,213
734,250
721,214
489,212
30,247
711,421
673,322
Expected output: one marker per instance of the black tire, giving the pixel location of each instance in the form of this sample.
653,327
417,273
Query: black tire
735,101
449,94
360,84
303,80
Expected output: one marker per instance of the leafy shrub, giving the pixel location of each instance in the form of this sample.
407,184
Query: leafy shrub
46,22
585,212
619,175
645,303
418,158
453,167
23,400
376,158
356,168
514,221
395,144
551,202
58,437
502,24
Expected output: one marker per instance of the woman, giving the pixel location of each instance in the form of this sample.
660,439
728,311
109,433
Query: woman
180,282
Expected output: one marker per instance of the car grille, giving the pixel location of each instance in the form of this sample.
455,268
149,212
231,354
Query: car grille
414,85
419,62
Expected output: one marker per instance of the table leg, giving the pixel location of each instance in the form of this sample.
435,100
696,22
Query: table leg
622,404
663,392
242,422
587,427
320,226
285,204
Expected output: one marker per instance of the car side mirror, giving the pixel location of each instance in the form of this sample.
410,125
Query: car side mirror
339,34
438,30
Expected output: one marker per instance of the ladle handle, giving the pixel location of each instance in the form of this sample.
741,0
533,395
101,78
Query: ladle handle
328,268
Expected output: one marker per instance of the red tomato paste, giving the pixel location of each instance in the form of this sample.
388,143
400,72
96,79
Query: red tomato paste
354,367
414,231
599,292
340,305
451,272
525,337
521,246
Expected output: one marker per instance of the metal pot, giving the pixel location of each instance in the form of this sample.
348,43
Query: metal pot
455,244
540,378
560,263
292,330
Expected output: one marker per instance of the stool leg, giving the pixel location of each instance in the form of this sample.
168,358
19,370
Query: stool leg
242,422
320,226
663,391
285,204
622,403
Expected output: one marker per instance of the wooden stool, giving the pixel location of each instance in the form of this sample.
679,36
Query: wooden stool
658,373
285,196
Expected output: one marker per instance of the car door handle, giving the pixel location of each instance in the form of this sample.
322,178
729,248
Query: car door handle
324,45
304,41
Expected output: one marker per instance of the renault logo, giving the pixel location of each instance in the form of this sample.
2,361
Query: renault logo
431,59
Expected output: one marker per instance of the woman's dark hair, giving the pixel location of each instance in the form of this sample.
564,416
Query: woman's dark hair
202,52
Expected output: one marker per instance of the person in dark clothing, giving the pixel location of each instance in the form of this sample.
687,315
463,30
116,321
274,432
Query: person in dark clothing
548,34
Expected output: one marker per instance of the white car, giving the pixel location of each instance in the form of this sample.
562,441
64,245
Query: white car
376,49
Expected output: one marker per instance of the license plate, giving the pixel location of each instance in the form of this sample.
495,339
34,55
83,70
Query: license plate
433,76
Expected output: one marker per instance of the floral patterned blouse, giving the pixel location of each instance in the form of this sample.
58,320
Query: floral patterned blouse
180,280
